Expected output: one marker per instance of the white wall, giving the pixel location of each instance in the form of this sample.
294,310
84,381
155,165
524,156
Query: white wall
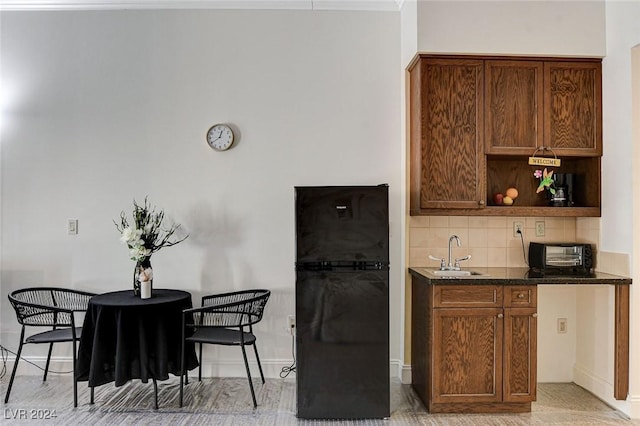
100,108
567,28
634,386
623,32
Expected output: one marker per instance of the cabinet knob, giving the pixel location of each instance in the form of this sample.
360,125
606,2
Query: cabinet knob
500,315
481,203
535,315
520,295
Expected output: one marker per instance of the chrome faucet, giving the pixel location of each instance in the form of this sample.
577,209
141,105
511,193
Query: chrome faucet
451,266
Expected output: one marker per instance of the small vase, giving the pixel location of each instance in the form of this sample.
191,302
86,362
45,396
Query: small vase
145,289
142,266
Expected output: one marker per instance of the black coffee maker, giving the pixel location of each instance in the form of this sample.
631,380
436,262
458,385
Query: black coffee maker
563,183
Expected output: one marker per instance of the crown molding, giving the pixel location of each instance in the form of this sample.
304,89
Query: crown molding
31,5
39,5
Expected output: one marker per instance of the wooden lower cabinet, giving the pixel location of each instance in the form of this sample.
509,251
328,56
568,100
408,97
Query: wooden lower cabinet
474,349
467,355
519,363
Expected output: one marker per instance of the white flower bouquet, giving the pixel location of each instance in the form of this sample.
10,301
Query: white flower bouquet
145,236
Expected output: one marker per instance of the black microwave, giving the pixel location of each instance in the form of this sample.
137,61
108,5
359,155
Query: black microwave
561,257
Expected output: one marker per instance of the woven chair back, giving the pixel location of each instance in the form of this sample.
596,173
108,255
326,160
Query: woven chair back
48,306
236,309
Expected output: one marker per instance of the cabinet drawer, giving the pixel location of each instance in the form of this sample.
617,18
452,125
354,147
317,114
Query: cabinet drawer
462,296
521,296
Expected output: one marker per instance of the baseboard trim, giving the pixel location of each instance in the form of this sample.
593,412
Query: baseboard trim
58,365
405,376
634,406
603,389
273,368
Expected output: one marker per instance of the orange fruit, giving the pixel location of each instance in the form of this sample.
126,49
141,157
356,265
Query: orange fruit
512,193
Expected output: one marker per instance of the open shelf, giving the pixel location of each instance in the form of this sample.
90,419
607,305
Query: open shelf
540,211
505,172
518,211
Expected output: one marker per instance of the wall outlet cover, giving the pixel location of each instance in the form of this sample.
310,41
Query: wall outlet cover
518,226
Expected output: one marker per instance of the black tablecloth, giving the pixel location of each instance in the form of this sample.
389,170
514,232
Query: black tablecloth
125,337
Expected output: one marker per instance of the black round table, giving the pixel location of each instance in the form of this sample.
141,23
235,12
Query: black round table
125,337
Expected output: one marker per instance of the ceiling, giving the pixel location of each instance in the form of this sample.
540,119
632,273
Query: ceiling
379,5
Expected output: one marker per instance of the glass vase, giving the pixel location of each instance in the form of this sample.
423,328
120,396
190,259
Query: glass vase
142,266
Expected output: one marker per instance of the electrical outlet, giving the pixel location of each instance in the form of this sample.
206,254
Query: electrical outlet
518,226
562,325
291,319
540,228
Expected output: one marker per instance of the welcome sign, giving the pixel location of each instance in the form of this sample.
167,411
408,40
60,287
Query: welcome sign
545,162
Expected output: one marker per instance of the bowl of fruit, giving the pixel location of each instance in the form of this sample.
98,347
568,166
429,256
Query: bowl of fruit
506,199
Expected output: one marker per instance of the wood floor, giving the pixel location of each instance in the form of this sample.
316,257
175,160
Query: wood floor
227,401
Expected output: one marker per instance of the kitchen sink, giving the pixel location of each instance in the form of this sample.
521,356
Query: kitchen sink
461,273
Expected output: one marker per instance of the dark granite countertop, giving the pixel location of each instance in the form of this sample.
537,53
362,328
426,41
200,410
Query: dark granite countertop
517,276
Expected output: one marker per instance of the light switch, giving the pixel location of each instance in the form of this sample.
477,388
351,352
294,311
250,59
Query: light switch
72,226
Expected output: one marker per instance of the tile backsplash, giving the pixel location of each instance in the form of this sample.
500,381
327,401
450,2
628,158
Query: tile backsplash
489,239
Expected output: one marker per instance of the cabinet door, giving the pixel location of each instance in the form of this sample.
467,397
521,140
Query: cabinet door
467,355
513,107
520,352
448,162
573,108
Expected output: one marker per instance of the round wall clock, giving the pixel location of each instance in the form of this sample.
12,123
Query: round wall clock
220,137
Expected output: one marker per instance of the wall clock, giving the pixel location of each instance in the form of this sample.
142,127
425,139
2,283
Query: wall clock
220,137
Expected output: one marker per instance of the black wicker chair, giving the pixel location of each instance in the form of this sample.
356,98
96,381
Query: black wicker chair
224,319
49,307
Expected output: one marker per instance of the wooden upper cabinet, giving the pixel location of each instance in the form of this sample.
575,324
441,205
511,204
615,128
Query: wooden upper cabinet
475,120
534,104
447,151
574,107
513,107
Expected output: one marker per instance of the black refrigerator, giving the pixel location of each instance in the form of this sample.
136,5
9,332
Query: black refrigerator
342,302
